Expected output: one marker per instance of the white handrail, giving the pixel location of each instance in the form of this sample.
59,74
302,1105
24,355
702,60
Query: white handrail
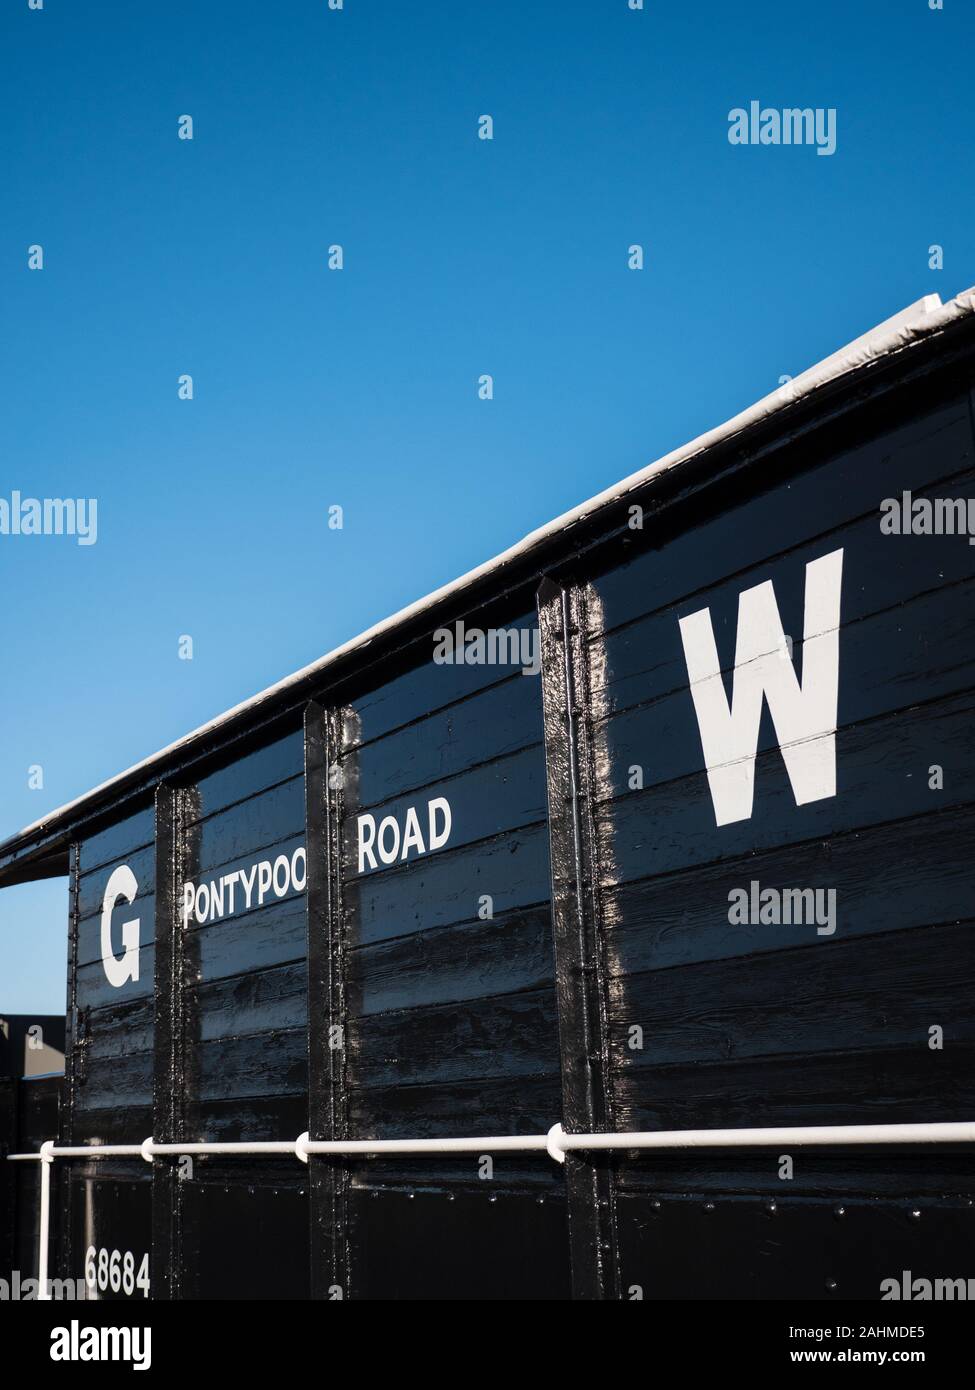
556,1143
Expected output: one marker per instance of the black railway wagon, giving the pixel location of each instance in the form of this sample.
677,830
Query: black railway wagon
654,833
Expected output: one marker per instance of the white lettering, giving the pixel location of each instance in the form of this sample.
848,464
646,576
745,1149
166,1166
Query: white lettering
118,969
804,716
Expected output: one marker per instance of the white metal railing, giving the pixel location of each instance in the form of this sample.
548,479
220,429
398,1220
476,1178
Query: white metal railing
556,1143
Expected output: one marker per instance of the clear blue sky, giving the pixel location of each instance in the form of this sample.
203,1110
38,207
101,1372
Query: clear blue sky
462,257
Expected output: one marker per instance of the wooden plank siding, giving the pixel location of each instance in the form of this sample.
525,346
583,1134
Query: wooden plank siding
567,951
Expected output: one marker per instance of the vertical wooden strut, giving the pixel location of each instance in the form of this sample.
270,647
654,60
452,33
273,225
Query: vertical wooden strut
327,1109
65,1256
169,1080
578,956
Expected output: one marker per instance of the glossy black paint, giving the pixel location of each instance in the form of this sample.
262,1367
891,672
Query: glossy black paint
169,1069
388,1003
787,1248
450,1015
579,959
457,1242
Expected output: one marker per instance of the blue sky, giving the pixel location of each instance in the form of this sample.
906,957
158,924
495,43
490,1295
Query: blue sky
359,388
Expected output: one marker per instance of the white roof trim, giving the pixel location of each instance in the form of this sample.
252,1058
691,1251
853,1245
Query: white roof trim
918,321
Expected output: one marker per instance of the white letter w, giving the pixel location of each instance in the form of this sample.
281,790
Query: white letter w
804,716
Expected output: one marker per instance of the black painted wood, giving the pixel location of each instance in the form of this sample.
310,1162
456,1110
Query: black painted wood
455,1022
899,1171
168,1071
94,991
502,1245
503,719
91,891
451,1020
117,842
109,1054
242,982
505,1036
901,618
444,889
267,937
467,961
579,963
236,781
802,499
259,1001
765,1024
247,1238
882,777
63,1244
425,687
245,831
327,1012
114,1213
884,991
485,801
682,918
740,1248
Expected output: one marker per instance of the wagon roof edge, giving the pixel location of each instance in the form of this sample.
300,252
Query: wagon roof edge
917,323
